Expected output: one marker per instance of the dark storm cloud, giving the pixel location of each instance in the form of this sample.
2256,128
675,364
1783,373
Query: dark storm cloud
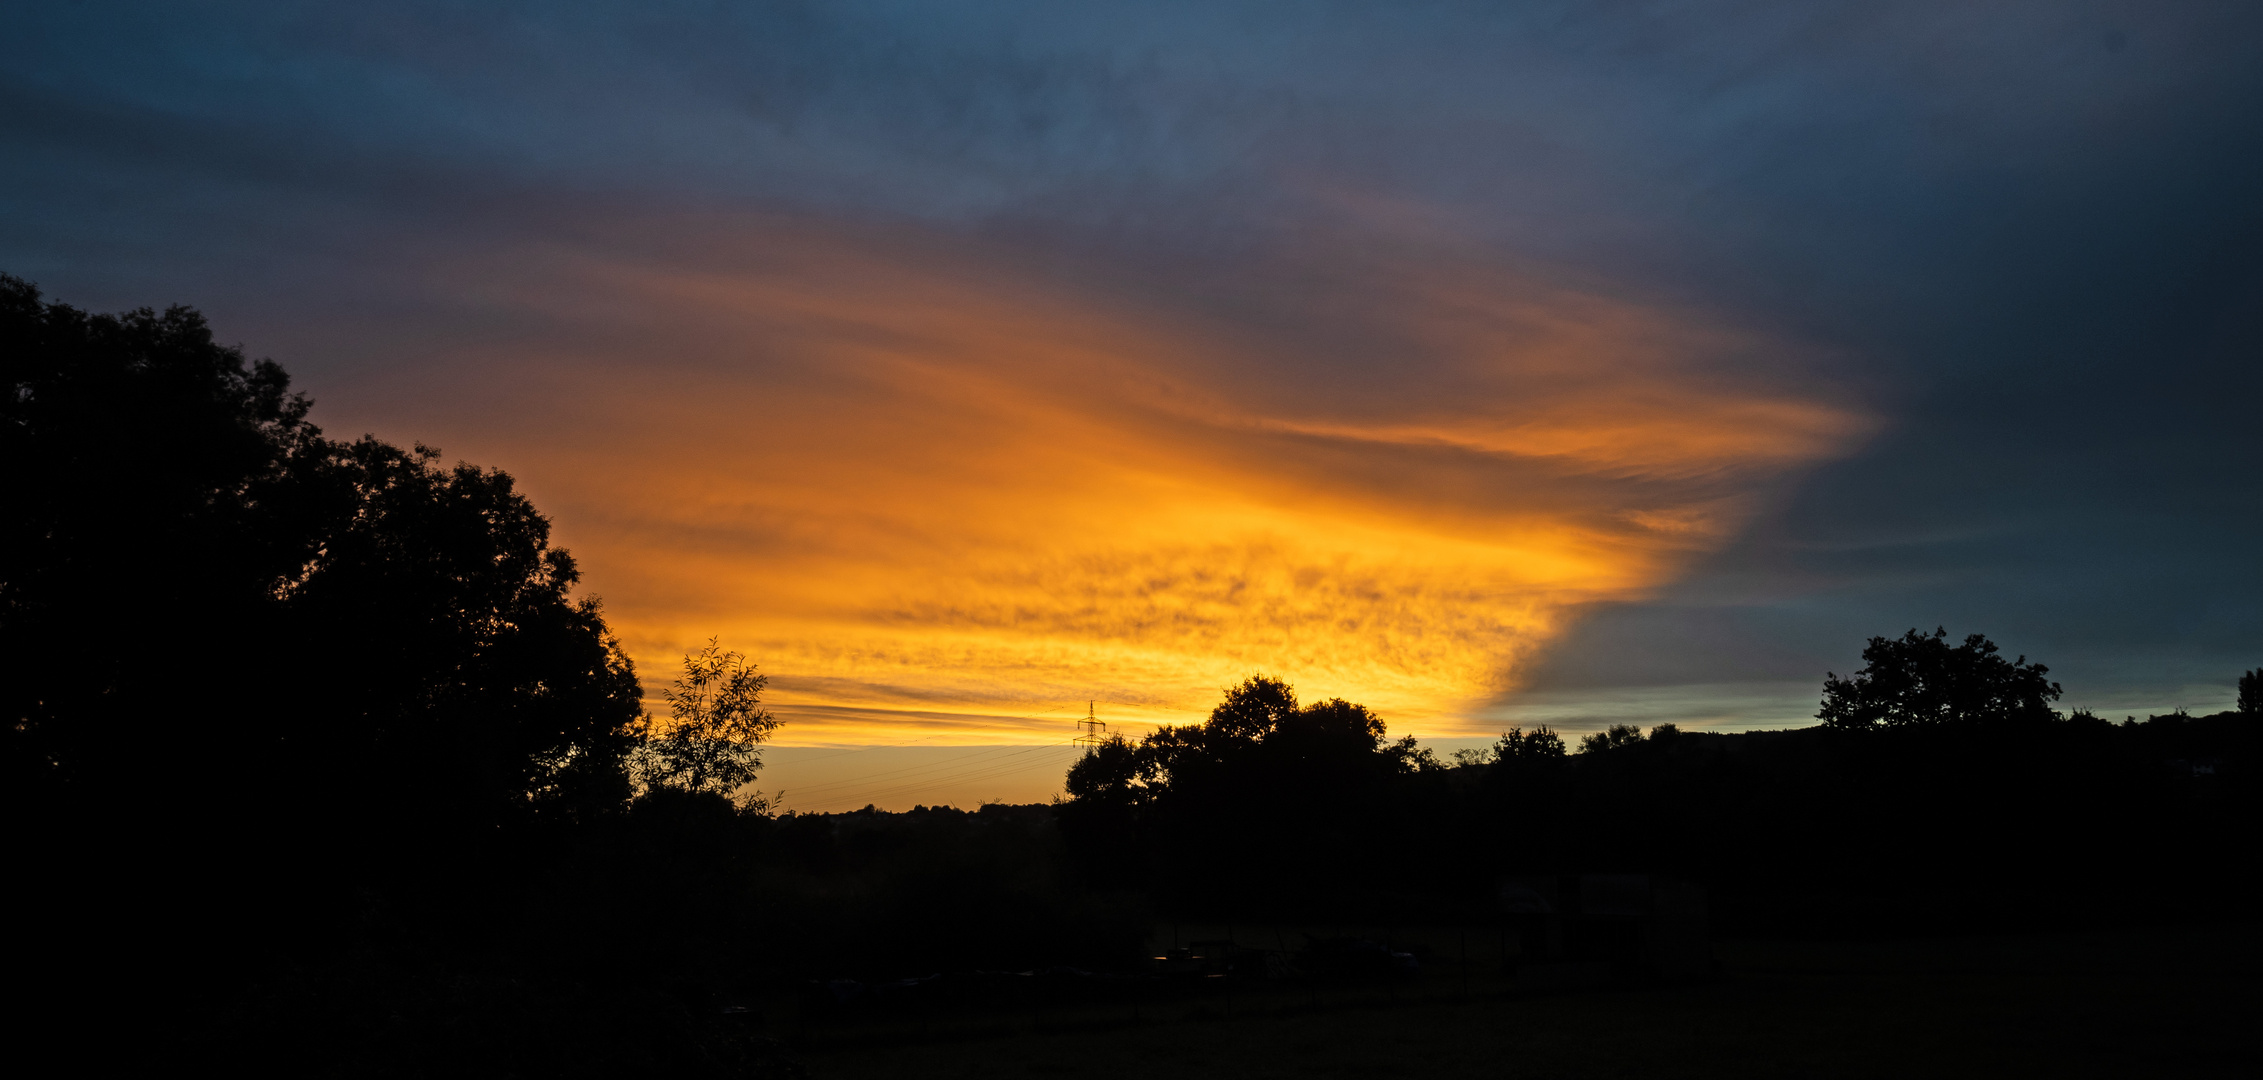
2025,235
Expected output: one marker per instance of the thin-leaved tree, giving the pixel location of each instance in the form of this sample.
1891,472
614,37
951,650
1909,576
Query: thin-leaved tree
713,740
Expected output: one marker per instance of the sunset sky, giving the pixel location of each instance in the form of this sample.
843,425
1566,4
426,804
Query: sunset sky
964,363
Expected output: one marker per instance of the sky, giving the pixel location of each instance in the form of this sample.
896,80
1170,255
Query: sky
967,363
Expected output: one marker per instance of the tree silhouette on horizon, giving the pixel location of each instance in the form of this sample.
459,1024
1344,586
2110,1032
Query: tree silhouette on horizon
1921,680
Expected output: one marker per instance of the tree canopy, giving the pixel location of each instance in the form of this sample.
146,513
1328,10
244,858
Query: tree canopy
1265,797
1921,680
212,608
1257,734
1614,737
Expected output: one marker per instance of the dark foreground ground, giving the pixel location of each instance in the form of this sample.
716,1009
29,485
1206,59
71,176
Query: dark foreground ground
2176,1002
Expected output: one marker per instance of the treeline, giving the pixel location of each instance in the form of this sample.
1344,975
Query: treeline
1941,794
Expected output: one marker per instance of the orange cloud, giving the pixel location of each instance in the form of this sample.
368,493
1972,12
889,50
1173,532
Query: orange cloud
918,480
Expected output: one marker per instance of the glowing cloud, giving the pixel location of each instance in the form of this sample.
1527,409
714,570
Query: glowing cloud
930,488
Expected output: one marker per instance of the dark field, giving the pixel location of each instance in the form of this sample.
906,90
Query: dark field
2167,1002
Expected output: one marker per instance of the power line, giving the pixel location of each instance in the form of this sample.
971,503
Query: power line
913,768
954,763
902,784
942,735
1002,767
862,749
895,782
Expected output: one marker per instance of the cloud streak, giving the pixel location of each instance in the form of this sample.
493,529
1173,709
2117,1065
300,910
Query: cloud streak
918,475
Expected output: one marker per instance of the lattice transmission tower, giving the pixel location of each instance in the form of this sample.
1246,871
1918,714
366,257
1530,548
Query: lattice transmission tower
1091,731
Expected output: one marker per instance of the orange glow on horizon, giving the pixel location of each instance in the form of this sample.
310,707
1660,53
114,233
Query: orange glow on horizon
933,490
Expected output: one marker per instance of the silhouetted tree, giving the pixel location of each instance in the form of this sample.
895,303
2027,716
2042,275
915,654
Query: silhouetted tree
156,495
1331,728
1258,727
1109,771
1615,737
714,743
2251,693
481,692
1265,797
1922,680
1251,711
1519,746
259,662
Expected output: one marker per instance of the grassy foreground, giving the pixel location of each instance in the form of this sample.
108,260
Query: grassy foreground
2163,1002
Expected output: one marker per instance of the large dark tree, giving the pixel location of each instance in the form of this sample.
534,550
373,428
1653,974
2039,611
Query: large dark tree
242,657
155,497
437,668
1267,798
1257,737
1921,680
